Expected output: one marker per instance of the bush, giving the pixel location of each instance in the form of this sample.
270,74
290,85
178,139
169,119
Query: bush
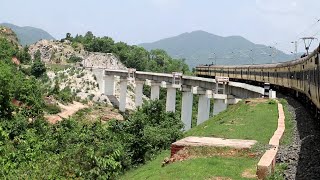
65,95
149,130
38,68
74,59
52,108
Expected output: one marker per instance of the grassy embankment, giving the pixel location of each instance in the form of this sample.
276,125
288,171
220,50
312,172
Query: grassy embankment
253,120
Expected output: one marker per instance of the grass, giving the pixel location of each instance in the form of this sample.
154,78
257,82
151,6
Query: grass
198,168
288,133
253,120
57,67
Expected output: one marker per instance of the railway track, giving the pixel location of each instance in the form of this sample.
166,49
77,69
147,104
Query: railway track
303,155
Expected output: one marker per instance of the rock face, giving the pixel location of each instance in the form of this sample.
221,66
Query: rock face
53,51
85,83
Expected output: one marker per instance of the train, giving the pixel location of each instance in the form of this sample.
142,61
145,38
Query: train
299,77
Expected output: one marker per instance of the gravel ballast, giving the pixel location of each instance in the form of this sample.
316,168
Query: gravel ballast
302,156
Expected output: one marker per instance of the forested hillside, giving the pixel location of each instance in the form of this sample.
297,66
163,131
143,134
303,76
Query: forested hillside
200,47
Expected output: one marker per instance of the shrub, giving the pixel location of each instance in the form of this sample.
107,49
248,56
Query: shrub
52,108
65,95
74,59
149,130
38,68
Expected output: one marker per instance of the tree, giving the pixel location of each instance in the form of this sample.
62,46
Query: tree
37,55
68,36
24,56
6,90
38,68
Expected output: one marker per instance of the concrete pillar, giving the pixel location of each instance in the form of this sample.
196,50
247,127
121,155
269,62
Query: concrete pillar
272,94
155,90
171,99
108,85
139,93
123,95
219,106
203,108
186,108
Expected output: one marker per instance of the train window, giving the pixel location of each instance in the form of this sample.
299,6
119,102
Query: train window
317,59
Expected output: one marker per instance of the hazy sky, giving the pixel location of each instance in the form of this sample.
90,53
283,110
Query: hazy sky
269,22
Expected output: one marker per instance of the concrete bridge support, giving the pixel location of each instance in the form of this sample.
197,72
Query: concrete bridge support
123,95
155,90
220,103
203,107
186,109
138,93
108,85
171,98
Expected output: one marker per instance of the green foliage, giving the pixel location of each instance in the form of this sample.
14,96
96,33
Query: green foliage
149,130
16,87
30,148
24,56
37,55
65,95
74,59
52,108
38,68
132,56
7,50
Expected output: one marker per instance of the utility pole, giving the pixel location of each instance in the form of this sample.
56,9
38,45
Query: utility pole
295,52
212,57
307,42
273,54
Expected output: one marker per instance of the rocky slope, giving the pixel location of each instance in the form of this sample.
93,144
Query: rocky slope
53,51
83,82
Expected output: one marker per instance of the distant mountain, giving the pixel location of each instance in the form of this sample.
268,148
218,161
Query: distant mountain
200,47
28,35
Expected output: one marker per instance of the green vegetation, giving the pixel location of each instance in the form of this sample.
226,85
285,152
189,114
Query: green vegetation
131,56
74,148
287,137
74,59
149,130
198,168
253,120
38,68
52,108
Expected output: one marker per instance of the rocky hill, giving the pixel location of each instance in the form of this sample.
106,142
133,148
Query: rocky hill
7,33
28,35
56,52
85,83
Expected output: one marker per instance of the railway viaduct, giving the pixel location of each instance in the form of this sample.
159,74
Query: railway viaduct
222,90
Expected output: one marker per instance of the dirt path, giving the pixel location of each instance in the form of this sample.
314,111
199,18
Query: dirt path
67,111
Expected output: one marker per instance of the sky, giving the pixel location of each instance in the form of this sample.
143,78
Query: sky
271,22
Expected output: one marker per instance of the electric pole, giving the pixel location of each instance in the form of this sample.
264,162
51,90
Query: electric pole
307,42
